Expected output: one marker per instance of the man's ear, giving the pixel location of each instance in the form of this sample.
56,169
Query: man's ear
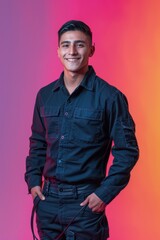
58,51
92,50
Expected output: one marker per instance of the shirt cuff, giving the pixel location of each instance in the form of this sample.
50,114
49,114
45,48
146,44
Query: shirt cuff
34,181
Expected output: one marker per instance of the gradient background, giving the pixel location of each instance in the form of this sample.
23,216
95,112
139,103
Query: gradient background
127,38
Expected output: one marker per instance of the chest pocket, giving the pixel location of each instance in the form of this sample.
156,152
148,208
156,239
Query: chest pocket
50,116
87,124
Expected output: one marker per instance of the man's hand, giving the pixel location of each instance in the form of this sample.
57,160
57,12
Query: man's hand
94,202
36,191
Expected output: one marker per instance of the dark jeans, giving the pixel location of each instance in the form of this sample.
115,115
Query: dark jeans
61,205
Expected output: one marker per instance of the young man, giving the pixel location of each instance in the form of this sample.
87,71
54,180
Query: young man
76,120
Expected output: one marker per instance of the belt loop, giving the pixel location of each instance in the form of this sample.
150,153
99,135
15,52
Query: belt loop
75,192
47,188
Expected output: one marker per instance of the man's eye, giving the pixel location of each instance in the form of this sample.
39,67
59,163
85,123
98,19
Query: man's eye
65,45
80,45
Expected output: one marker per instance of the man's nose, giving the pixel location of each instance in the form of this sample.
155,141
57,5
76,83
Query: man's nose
73,49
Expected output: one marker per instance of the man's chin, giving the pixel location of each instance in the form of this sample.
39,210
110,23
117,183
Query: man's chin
77,70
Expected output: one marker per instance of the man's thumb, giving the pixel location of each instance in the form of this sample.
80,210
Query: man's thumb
41,196
85,202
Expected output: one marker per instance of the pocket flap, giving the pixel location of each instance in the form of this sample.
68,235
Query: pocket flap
86,113
49,111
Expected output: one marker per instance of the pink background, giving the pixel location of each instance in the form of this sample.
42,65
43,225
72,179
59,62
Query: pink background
127,38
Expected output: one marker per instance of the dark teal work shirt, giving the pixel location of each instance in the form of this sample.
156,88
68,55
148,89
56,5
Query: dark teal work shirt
73,136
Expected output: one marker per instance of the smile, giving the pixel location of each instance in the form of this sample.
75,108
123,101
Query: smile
71,59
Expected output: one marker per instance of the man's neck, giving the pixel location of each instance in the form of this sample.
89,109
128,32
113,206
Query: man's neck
72,80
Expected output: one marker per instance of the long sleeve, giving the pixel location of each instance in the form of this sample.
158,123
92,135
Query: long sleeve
125,149
37,154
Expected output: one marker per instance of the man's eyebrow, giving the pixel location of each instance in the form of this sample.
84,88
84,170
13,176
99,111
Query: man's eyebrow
76,41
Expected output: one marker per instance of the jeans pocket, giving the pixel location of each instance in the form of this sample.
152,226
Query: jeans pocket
70,235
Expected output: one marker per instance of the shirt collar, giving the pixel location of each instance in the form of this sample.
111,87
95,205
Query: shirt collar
87,82
59,83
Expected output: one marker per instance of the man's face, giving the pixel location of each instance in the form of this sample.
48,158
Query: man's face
74,51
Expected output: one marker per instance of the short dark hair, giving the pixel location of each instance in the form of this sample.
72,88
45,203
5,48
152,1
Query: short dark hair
74,25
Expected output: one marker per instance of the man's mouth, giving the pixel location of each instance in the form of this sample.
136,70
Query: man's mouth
72,59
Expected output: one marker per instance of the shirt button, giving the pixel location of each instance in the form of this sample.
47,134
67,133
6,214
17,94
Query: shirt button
66,114
62,137
61,189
